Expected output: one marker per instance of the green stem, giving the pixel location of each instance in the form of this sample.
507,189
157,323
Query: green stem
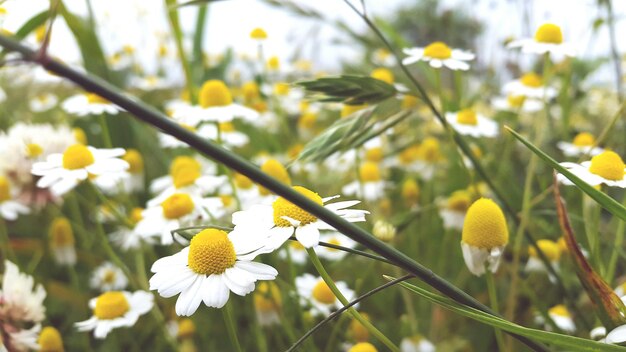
198,38
229,320
155,118
493,298
172,13
619,239
353,312
106,135
7,251
140,268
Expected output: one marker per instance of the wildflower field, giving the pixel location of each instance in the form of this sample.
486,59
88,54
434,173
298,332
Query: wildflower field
421,179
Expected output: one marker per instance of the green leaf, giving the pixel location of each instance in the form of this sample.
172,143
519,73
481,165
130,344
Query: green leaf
32,24
604,200
349,89
569,343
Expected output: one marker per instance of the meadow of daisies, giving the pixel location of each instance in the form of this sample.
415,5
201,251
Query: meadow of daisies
423,198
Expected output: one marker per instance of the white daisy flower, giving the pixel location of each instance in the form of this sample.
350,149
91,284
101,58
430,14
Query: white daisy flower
186,176
282,219
149,83
617,335
416,343
453,209
89,104
583,144
530,85
22,300
421,158
62,242
126,237
128,181
620,290
370,185
562,318
227,133
598,333
485,234
337,239
176,211
551,250
267,303
517,103
62,172
468,122
216,105
214,263
43,102
438,54
9,208
548,39
315,292
108,277
605,168
115,309
295,251
383,57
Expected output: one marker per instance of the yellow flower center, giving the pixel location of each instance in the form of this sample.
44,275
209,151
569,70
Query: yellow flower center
297,246
267,297
409,154
429,150
333,241
242,181
275,169
227,127
50,340
516,101
33,150
281,88
258,34
559,310
409,101
322,293
348,110
134,160
250,91
307,121
283,207
186,328
374,154
184,171
61,233
5,189
77,156
273,63
111,305
459,201
438,50
183,163
136,215
294,150
211,252
96,99
549,33
363,347
584,139
226,199
467,117
485,226
532,80
608,165
177,205
109,277
369,172
358,331
410,191
214,93
79,135
550,248
383,74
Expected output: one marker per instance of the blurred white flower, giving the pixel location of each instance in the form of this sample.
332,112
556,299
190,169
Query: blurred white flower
437,55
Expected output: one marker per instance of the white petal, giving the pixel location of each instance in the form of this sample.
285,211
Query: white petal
215,292
190,299
308,236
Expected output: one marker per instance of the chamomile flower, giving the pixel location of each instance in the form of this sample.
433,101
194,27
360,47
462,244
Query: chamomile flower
530,86
50,340
267,303
452,211
548,39
108,277
468,122
383,57
416,343
620,290
370,185
149,83
225,132
277,170
485,234
43,102
439,54
295,252
126,237
605,168
517,103
583,144
550,249
176,211
128,181
9,208
115,309
282,219
562,318
89,104
357,331
216,105
598,333
62,172
214,263
363,347
314,292
617,335
421,158
337,239
384,231
62,241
